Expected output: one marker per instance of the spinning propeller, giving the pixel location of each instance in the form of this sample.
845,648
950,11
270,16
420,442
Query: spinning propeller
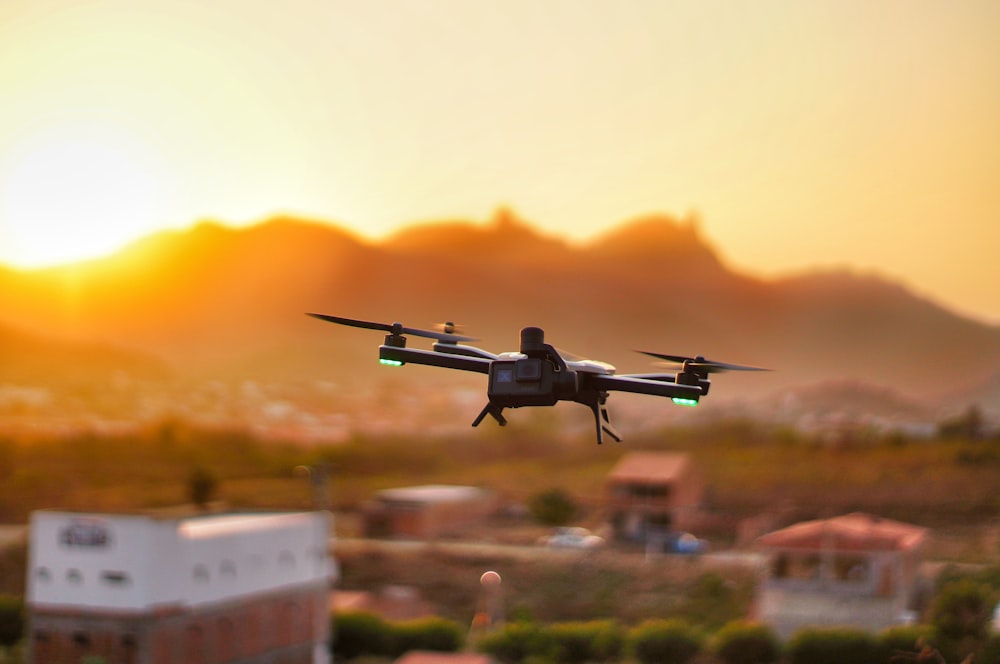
699,364
396,329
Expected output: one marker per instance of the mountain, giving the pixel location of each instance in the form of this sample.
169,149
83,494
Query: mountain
214,301
34,359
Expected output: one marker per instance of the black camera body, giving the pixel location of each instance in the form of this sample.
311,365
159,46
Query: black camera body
537,376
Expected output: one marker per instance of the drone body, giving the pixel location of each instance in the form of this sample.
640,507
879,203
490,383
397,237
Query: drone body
539,375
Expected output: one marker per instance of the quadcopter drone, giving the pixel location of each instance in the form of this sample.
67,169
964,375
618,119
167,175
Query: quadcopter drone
539,375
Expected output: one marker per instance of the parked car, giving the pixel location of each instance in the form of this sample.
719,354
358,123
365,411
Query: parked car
572,537
684,543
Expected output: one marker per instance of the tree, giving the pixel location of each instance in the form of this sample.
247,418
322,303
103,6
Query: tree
554,507
961,614
12,621
962,609
968,425
201,486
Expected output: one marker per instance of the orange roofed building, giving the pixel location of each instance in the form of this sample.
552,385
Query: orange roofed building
856,570
653,494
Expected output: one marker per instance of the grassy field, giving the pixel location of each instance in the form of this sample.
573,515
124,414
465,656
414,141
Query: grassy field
749,469
565,586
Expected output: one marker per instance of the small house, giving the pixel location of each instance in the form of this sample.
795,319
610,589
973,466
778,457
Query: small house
651,495
428,511
855,570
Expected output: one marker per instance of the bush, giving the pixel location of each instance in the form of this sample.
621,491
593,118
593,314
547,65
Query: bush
12,621
741,642
712,601
833,645
434,633
554,507
358,633
962,609
657,641
990,654
594,641
516,642
961,614
895,641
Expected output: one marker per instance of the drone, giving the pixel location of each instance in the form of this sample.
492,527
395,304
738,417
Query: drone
540,375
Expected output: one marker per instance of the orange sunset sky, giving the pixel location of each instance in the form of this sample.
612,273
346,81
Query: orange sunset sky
824,133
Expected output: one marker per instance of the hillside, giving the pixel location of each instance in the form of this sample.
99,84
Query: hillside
220,302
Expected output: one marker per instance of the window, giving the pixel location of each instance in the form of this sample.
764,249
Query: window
796,566
43,574
657,491
853,569
74,576
115,578
200,574
228,569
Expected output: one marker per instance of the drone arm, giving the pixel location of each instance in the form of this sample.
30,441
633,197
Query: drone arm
468,351
434,359
659,388
661,377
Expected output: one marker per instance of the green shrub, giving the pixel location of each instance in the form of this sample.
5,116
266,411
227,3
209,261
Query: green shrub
990,654
833,645
657,641
359,633
895,641
553,507
432,633
12,621
594,641
516,642
712,601
962,609
741,642
960,613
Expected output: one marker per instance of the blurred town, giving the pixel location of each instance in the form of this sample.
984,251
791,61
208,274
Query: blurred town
178,490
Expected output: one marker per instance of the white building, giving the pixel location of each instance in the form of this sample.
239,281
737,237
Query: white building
247,589
857,570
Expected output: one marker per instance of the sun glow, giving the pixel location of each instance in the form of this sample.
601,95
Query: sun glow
74,193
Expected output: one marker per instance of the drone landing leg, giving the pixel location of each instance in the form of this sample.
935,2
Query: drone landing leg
491,409
606,425
601,420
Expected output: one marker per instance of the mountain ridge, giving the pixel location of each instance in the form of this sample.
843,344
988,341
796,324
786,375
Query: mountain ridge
212,297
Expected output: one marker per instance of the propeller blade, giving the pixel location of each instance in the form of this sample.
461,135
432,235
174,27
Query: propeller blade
368,325
700,363
394,328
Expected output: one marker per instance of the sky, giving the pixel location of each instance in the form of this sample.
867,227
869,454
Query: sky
840,133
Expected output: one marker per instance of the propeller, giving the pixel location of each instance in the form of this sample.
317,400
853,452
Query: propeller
448,327
394,328
700,365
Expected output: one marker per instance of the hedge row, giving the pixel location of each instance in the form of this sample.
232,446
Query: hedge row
740,642
358,633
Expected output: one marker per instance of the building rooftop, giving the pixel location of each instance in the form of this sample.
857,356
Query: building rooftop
851,532
431,493
650,467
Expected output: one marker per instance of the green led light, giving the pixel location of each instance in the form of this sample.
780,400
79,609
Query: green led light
681,401
390,363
